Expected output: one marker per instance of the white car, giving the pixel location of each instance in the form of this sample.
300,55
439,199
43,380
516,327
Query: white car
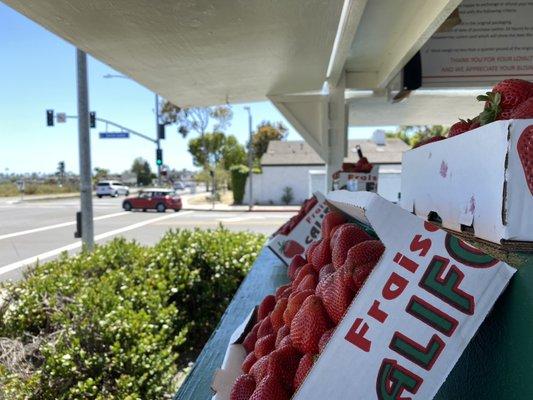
111,188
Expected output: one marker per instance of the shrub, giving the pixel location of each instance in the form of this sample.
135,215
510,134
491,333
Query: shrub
288,195
120,322
239,174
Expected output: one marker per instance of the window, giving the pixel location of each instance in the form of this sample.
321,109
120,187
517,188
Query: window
103,184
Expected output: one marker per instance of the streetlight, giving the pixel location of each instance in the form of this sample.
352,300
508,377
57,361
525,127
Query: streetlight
158,143
250,158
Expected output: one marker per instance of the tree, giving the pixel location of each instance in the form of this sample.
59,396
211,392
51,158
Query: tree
142,169
100,173
414,134
217,149
265,132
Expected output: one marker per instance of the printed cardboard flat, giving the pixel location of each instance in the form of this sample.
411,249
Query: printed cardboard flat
474,182
419,308
357,181
301,236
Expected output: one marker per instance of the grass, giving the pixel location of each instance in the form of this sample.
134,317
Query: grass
9,189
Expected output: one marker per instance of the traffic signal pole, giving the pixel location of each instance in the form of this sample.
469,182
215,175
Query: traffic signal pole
158,140
84,142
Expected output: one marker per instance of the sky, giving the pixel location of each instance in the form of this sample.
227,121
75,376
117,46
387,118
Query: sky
38,72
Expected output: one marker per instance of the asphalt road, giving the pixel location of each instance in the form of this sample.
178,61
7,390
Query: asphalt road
41,230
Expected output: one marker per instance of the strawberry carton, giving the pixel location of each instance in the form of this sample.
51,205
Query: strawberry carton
414,315
357,181
304,228
477,184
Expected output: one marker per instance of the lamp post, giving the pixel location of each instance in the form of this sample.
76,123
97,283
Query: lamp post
250,159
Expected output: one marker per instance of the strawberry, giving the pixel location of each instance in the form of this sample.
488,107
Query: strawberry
309,251
251,338
311,202
360,274
525,153
307,283
429,140
276,317
285,341
523,111
308,325
459,127
334,233
325,339
282,332
265,307
305,270
248,362
270,388
279,292
296,262
503,98
258,370
265,345
265,328
243,388
336,296
305,365
325,271
348,236
290,248
283,364
294,304
331,219
364,252
321,255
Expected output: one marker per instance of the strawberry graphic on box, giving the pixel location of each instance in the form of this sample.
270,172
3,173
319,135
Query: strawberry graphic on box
290,248
525,153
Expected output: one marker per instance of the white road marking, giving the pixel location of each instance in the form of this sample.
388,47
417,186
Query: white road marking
241,218
61,225
75,245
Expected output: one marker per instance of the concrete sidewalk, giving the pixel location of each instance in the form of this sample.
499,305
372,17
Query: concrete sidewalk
239,208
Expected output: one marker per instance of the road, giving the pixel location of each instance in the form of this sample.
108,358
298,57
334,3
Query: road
41,230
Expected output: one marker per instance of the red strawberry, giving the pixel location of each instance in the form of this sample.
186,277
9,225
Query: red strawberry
459,127
265,345
270,388
309,324
331,219
523,111
290,248
321,255
277,314
525,153
285,341
309,251
336,297
474,124
307,283
282,332
248,362
305,270
265,307
360,274
348,236
259,369
325,339
429,140
280,290
294,304
325,271
310,204
243,388
297,262
365,252
334,233
251,338
306,363
505,96
265,328
283,364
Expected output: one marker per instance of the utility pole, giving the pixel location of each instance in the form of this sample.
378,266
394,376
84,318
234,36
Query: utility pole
250,159
158,143
84,142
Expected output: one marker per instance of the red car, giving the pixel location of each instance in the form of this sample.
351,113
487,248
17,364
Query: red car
154,199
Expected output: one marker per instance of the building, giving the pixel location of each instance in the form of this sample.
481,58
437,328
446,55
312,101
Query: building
296,165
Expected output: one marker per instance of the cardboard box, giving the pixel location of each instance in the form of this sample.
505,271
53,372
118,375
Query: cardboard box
416,313
473,183
426,297
302,235
357,181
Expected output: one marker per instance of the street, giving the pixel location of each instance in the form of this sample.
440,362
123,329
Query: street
41,230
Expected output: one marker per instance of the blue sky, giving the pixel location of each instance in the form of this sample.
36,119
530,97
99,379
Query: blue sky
37,72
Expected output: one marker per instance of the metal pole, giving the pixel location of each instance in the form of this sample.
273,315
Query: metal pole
250,159
158,144
84,139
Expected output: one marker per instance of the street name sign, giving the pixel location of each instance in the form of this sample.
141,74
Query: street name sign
114,135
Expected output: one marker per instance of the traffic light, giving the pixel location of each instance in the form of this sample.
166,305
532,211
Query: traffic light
159,156
49,117
160,131
92,119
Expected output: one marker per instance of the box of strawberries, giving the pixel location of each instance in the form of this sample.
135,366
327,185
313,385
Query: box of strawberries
380,307
293,237
359,176
479,181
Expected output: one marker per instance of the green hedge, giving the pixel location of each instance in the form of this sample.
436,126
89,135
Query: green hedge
239,173
122,322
